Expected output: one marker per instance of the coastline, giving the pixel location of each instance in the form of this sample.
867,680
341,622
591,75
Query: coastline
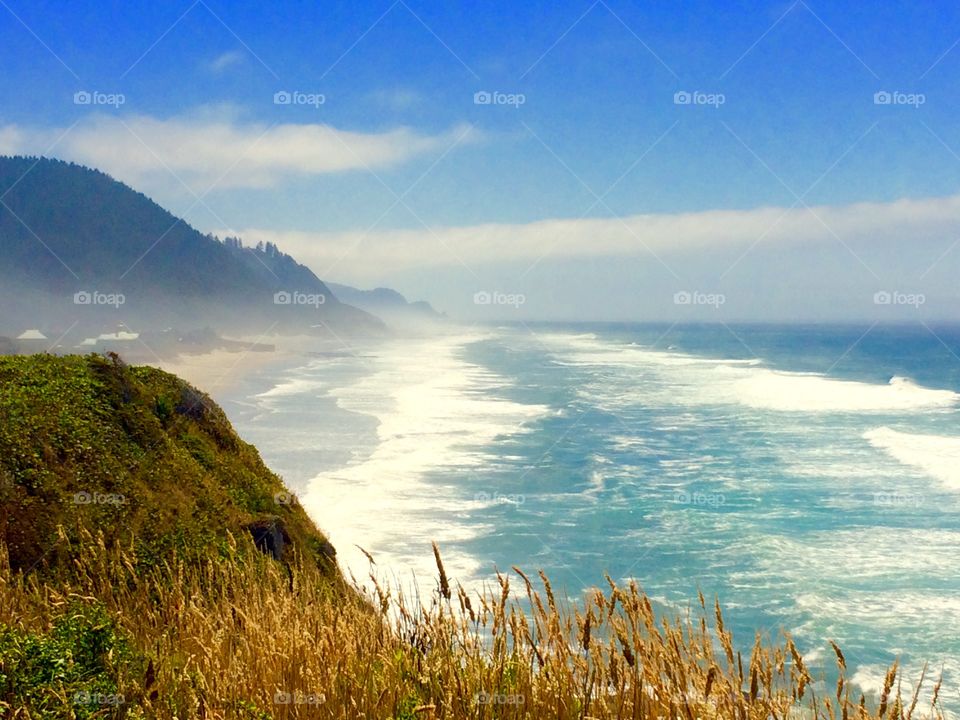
225,373
220,372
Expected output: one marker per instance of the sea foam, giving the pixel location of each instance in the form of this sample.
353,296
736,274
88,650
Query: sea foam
790,391
433,415
936,455
700,380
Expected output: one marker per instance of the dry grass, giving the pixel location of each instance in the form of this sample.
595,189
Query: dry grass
236,638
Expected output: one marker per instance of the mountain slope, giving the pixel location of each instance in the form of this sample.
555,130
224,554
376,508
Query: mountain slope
390,305
66,229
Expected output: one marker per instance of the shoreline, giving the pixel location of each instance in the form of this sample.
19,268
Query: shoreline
223,373
220,372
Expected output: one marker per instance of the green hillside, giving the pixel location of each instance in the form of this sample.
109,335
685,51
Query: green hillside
134,452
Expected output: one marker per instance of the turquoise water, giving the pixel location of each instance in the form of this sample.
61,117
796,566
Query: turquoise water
808,476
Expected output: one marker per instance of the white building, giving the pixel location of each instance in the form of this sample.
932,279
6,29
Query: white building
31,335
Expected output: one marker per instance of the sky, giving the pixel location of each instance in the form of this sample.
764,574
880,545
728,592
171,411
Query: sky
591,160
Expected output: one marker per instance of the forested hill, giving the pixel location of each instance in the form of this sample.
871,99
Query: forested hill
66,229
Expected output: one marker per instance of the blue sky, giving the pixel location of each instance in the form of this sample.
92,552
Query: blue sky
401,162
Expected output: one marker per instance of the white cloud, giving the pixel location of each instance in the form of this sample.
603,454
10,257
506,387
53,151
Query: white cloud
366,257
215,148
225,61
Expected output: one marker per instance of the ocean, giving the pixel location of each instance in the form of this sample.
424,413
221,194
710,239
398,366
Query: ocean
809,477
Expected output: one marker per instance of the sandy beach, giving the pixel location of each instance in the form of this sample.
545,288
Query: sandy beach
219,371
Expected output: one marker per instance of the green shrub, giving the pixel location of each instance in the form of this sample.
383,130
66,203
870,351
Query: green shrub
71,670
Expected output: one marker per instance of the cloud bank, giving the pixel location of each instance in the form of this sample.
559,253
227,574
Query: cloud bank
666,239
205,151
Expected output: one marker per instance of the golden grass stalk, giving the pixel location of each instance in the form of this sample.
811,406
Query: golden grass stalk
234,638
